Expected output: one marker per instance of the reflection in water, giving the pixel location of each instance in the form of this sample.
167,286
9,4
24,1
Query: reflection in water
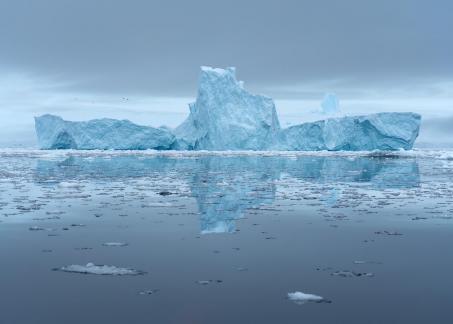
225,187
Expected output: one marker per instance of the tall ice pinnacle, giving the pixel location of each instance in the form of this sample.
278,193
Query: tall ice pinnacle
227,117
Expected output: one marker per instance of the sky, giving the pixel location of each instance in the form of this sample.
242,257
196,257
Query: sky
140,60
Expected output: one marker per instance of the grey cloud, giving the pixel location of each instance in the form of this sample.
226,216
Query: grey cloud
156,47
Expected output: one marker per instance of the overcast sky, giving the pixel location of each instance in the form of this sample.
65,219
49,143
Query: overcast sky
80,58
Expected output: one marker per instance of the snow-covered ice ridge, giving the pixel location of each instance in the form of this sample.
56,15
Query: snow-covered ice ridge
227,117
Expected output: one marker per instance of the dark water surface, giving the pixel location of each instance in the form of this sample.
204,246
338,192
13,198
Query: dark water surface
225,238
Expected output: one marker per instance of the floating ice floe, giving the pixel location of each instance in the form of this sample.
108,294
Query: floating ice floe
115,244
302,298
65,184
38,228
148,292
91,268
207,282
349,274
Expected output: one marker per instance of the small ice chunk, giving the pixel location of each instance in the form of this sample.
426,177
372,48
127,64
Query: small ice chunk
55,212
302,298
148,292
65,184
91,268
207,282
350,274
391,233
115,244
36,228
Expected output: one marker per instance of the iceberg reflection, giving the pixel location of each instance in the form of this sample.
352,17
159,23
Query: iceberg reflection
224,188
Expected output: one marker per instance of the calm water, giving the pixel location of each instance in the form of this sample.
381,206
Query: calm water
225,238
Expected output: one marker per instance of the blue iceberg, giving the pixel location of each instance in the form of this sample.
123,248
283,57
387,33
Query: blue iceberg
330,104
227,117
55,133
383,131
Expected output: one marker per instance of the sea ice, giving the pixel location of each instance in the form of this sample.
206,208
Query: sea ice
115,244
302,298
350,274
91,268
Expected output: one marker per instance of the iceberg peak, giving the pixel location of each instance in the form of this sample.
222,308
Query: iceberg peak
227,117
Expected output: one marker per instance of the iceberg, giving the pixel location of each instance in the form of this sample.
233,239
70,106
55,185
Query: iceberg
382,131
330,104
55,133
225,116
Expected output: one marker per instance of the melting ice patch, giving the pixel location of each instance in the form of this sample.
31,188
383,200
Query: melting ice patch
91,268
115,244
302,298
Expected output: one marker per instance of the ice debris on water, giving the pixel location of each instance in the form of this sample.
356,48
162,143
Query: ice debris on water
350,274
148,292
225,116
36,228
91,268
391,233
207,282
366,262
115,244
302,298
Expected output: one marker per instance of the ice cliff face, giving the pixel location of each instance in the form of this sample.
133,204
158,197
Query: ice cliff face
55,133
383,131
227,117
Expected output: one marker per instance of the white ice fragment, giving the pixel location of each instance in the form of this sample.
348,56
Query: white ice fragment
302,298
114,244
65,184
91,268
36,228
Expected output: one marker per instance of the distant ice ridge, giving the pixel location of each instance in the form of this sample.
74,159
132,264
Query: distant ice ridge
227,117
